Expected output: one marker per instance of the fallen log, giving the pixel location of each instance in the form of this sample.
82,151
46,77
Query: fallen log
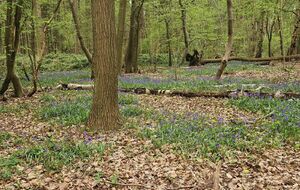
228,94
246,59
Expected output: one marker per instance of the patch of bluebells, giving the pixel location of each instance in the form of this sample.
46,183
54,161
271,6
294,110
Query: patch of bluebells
285,86
87,138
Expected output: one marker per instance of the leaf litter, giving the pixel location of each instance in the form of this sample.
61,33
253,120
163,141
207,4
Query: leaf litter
130,162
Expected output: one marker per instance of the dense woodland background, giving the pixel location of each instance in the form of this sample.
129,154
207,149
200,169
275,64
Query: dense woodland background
260,28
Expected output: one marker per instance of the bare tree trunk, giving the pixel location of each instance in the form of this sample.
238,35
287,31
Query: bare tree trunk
280,35
295,35
1,41
230,40
80,38
184,30
121,32
12,39
77,42
105,111
168,36
133,41
38,47
269,31
259,49
253,38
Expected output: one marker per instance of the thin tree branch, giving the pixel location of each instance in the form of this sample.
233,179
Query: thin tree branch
80,38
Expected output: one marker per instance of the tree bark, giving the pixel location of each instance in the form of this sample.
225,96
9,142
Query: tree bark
1,41
279,20
12,40
230,40
105,112
260,42
121,32
184,30
168,36
80,38
77,46
133,41
295,35
269,31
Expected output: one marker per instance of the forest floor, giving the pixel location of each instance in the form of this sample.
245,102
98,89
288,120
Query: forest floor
165,143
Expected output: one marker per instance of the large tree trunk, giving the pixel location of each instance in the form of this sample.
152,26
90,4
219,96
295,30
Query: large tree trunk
133,41
295,35
259,48
184,30
230,41
105,112
121,32
168,36
12,39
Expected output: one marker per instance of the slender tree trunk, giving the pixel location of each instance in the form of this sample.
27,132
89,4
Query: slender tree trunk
105,112
38,43
80,38
133,41
168,36
279,19
259,49
184,30
12,39
230,40
1,42
269,31
121,32
77,42
253,38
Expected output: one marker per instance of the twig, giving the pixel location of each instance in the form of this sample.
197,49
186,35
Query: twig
182,187
128,185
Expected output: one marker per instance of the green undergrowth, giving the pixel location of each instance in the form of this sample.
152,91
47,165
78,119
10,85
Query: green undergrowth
53,155
284,114
8,140
72,108
195,135
14,108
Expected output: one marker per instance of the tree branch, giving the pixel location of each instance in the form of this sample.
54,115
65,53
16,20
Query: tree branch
80,38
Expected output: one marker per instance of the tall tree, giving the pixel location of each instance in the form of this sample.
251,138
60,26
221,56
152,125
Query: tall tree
1,42
79,36
184,29
12,39
105,112
121,31
296,33
229,42
259,48
131,64
270,23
